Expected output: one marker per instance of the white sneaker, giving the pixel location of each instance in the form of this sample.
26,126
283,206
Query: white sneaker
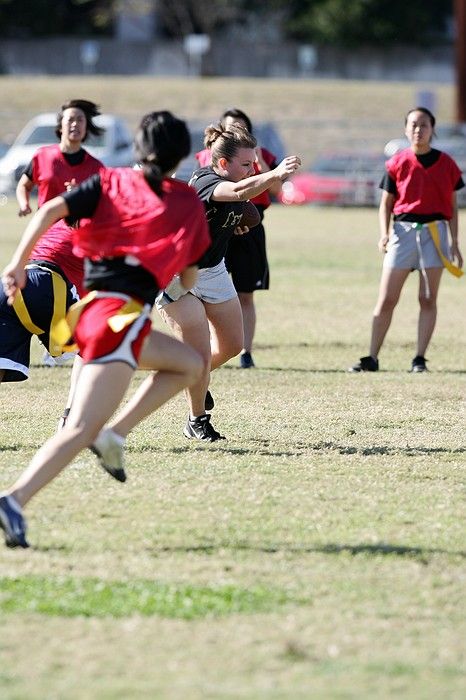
50,361
108,447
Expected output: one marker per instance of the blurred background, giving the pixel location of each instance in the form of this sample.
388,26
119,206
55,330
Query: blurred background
330,79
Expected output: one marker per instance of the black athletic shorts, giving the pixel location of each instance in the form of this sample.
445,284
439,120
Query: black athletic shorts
42,306
246,260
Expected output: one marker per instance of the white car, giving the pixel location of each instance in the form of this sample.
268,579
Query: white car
114,147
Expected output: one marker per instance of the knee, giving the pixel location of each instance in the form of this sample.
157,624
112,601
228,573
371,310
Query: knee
427,304
197,367
233,349
82,432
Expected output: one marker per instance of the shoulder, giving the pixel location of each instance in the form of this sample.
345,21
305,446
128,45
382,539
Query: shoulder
400,157
48,151
203,176
180,191
447,159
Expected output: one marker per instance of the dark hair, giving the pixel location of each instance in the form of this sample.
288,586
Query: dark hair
235,113
425,111
161,141
90,110
225,143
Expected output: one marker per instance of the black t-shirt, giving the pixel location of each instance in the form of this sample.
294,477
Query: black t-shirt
71,158
222,217
388,184
109,274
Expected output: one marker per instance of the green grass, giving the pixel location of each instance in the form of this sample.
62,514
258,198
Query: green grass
321,547
70,597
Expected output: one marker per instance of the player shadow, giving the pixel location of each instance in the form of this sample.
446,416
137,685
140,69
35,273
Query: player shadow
304,449
331,548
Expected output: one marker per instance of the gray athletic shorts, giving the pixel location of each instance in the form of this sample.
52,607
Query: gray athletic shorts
213,285
413,249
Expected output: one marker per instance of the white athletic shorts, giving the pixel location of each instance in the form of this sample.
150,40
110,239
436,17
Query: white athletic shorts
410,248
213,285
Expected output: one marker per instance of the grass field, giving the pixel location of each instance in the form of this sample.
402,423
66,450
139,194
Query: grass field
317,553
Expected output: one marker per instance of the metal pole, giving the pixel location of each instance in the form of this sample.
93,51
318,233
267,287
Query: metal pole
460,19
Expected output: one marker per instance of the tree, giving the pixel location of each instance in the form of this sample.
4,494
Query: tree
366,22
182,17
34,18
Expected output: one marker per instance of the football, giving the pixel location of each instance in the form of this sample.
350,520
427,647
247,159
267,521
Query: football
251,216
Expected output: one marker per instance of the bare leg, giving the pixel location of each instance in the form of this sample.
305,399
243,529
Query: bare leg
226,330
391,284
187,319
178,366
214,330
77,367
428,309
249,318
98,394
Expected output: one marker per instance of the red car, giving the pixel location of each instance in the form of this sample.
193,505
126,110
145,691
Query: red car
348,179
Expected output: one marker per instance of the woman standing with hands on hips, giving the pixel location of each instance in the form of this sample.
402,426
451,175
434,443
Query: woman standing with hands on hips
419,190
142,227
208,316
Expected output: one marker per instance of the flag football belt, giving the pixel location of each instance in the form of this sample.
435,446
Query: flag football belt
60,292
434,233
128,313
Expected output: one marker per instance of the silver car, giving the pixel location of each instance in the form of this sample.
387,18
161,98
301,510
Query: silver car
114,147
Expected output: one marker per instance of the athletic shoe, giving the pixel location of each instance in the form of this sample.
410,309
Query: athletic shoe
201,429
246,360
50,361
209,401
419,364
365,364
108,447
12,522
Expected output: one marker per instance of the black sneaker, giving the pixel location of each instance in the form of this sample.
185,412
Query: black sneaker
419,364
365,364
209,401
246,360
12,522
201,429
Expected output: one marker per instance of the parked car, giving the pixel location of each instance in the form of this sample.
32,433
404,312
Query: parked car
340,179
265,133
113,147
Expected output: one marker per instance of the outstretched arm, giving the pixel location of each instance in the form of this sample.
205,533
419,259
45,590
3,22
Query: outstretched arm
227,191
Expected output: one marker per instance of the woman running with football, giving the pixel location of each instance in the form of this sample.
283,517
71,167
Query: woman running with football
419,190
142,228
246,256
208,316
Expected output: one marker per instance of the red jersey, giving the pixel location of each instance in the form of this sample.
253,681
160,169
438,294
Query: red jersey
204,158
51,170
56,246
423,190
166,234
